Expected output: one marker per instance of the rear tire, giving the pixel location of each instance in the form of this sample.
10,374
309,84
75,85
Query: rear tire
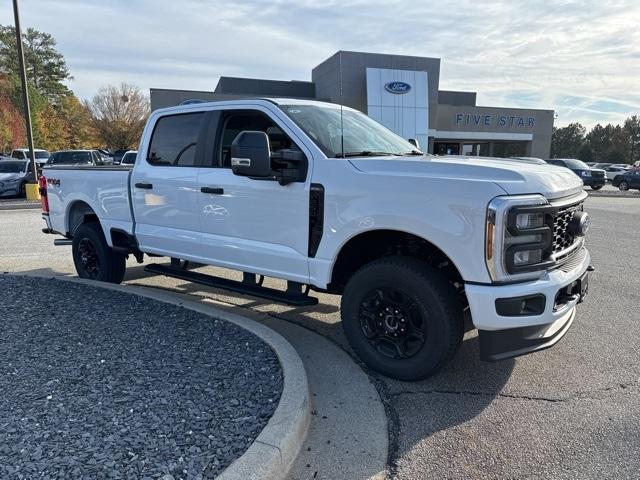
23,190
623,186
596,187
402,318
92,256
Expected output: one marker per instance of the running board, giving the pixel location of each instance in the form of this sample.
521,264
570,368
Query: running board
293,296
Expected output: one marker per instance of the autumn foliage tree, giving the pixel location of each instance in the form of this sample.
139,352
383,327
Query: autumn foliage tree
120,114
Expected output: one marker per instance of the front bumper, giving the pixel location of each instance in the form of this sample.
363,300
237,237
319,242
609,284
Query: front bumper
10,190
510,336
594,181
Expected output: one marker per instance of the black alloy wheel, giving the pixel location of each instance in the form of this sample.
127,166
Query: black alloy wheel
88,259
392,323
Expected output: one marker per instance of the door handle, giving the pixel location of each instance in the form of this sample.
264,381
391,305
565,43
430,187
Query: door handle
212,190
146,186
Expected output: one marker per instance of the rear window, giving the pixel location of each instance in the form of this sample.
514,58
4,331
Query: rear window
70,158
174,140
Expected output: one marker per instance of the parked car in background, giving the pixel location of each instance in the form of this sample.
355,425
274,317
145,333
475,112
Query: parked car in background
129,158
591,164
117,156
630,180
23,154
76,157
537,161
591,177
107,158
613,171
601,165
14,175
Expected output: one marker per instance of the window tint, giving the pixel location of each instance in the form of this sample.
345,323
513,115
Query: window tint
18,154
237,121
175,139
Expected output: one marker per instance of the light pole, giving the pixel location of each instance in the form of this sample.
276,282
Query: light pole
25,90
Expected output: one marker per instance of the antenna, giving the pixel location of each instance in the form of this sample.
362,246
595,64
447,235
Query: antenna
341,116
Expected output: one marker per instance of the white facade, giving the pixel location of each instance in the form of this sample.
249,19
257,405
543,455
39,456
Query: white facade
405,110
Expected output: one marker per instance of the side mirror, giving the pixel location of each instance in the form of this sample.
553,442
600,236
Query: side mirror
414,142
251,154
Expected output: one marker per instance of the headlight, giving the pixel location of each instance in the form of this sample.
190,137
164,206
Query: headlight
519,237
585,173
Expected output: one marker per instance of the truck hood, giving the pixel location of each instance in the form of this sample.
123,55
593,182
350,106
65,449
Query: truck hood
513,176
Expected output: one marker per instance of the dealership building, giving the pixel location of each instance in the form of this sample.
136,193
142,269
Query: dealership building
401,92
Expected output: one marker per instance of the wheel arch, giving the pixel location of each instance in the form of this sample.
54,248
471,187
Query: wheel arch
79,212
365,247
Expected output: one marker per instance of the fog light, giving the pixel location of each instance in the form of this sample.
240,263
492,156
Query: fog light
521,306
527,257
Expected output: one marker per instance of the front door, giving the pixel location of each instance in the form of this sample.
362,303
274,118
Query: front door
164,188
253,225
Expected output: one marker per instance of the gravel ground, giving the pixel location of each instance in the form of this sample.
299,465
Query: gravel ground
135,389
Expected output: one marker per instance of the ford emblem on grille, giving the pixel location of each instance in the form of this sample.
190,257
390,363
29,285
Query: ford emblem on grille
579,224
397,88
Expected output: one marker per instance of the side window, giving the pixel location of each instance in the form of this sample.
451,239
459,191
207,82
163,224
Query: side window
234,122
174,140
18,154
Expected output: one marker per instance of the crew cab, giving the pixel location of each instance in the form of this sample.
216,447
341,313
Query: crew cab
327,199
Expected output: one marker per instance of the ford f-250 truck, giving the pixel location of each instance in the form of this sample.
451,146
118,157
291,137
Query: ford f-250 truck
327,199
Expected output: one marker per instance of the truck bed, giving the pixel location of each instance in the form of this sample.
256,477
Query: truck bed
104,189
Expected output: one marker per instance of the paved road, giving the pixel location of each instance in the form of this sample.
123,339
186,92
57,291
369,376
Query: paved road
568,412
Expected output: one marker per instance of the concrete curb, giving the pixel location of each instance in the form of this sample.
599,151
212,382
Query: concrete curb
273,452
19,206
619,194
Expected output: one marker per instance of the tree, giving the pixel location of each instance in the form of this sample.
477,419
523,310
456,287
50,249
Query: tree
79,131
632,130
608,144
568,142
119,115
46,67
12,130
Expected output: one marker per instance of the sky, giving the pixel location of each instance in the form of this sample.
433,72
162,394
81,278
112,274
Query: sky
579,58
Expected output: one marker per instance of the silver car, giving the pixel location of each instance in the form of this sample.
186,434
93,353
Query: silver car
14,175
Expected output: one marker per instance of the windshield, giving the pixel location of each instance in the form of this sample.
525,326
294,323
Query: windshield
13,167
43,154
70,158
577,164
361,136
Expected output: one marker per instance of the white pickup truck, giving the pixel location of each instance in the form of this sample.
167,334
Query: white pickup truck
329,200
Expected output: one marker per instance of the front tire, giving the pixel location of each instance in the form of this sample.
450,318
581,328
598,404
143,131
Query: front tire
623,186
402,318
596,187
92,256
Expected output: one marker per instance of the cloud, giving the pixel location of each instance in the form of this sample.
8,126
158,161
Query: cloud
581,58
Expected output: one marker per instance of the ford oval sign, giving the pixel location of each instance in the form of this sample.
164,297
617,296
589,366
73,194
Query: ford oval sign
397,88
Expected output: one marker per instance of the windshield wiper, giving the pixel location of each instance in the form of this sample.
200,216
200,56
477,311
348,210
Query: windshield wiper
364,153
411,153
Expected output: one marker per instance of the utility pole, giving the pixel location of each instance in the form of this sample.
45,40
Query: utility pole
25,90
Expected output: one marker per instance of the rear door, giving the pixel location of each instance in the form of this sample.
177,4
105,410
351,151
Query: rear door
253,225
164,187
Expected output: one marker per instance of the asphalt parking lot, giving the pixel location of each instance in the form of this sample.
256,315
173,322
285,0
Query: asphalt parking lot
569,412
